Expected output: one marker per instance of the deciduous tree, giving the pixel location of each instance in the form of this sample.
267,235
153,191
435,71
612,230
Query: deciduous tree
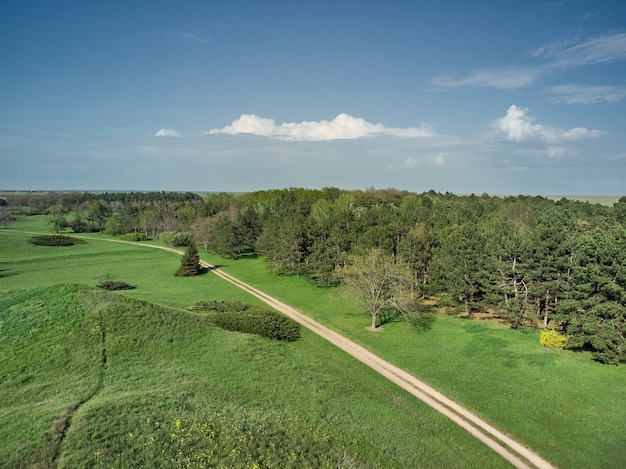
382,285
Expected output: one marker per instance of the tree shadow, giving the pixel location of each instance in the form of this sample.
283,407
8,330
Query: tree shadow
422,319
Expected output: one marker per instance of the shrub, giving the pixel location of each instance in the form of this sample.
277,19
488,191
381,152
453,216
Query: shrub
177,239
115,285
133,237
221,306
553,339
55,240
261,321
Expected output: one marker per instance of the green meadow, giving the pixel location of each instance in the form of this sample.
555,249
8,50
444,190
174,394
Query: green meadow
90,378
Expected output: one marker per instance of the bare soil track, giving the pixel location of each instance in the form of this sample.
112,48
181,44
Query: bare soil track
511,450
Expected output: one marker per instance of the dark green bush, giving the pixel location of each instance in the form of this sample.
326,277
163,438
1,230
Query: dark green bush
133,237
261,321
177,239
190,263
115,285
55,240
220,306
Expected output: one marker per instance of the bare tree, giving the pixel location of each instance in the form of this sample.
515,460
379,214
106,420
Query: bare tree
5,215
383,286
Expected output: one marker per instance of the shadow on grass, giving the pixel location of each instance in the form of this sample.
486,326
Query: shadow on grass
422,319
7,273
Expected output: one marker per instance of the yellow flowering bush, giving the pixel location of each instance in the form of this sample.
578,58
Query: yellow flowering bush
553,339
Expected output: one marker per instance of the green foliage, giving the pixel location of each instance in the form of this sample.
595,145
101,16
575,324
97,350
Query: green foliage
115,285
55,240
237,437
552,339
133,237
219,306
384,287
260,321
596,311
190,263
176,239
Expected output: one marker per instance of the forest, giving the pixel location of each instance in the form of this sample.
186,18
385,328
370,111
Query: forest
527,261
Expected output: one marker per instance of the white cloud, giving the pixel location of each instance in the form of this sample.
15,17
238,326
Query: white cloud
506,78
578,94
556,152
596,50
168,133
556,56
518,126
190,37
343,126
435,160
438,160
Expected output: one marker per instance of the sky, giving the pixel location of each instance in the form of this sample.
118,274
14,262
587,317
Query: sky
497,97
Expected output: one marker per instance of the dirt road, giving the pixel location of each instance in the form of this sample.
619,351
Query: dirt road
514,452
511,450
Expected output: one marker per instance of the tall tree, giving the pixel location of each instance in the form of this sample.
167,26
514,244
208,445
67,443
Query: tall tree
98,213
597,311
190,263
462,265
510,250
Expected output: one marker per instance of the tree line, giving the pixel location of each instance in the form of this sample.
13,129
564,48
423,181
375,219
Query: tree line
527,260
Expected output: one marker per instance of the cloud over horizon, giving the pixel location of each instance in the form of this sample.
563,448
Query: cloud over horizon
343,127
518,126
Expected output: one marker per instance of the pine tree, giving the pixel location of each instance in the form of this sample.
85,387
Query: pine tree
190,263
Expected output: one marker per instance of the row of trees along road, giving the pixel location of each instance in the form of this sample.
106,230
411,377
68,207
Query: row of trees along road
530,261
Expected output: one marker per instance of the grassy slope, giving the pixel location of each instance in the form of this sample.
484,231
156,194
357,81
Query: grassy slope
89,380
570,409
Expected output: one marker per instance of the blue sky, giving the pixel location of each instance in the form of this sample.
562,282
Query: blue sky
469,97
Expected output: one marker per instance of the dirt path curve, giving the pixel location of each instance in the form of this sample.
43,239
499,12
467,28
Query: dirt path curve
511,450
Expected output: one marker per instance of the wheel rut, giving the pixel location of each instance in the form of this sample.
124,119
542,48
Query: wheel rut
62,425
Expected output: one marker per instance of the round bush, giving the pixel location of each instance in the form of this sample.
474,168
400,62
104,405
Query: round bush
55,240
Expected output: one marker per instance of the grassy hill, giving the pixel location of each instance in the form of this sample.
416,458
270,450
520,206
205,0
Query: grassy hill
98,379
94,379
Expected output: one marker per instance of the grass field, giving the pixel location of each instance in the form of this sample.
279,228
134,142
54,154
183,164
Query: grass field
562,404
568,408
95,379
